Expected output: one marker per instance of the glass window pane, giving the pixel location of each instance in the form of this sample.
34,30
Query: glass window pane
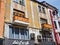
22,2
22,33
59,24
16,0
26,33
39,8
16,33
55,24
43,9
11,32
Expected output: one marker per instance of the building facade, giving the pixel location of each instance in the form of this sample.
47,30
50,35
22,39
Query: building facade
2,11
25,22
55,21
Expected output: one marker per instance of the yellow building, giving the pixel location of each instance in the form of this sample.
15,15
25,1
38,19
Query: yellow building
43,19
26,20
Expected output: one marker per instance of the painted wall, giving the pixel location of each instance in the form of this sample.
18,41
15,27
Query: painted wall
28,12
31,12
2,12
35,15
35,31
7,11
6,32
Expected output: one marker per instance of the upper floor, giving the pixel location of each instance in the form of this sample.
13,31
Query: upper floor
27,12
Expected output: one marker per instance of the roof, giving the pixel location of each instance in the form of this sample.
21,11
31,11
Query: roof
39,2
45,3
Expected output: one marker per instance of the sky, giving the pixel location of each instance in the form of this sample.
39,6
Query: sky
55,3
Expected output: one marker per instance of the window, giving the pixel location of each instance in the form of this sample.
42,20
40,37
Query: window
19,13
22,2
43,20
53,13
59,24
43,10
55,24
16,1
11,32
59,34
14,13
39,8
17,33
24,33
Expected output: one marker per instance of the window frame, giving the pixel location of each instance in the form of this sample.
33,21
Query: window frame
55,25
59,24
43,10
19,35
39,7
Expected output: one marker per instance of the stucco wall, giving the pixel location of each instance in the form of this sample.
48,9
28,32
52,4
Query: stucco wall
2,7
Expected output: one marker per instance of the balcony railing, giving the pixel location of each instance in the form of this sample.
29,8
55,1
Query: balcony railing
15,17
47,39
47,26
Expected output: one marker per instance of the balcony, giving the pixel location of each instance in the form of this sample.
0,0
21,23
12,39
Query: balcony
20,20
46,26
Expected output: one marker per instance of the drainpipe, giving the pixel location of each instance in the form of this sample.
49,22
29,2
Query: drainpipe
53,28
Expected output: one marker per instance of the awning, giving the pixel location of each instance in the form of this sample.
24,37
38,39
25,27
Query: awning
47,26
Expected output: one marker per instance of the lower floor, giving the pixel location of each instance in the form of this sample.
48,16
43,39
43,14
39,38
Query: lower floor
24,42
24,35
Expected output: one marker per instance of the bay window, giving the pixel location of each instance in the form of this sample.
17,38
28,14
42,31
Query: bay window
18,33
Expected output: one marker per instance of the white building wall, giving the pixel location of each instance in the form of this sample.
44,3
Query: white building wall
6,31
11,10
57,24
35,31
58,28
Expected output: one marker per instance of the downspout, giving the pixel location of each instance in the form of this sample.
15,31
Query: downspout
53,28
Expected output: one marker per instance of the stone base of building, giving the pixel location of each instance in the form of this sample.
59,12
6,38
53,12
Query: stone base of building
17,42
23,42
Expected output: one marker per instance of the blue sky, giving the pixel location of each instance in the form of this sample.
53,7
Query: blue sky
55,3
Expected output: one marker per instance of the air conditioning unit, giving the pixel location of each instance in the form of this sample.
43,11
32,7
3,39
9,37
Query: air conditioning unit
32,36
39,38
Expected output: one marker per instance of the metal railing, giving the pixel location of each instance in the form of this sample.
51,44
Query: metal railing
20,18
46,41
